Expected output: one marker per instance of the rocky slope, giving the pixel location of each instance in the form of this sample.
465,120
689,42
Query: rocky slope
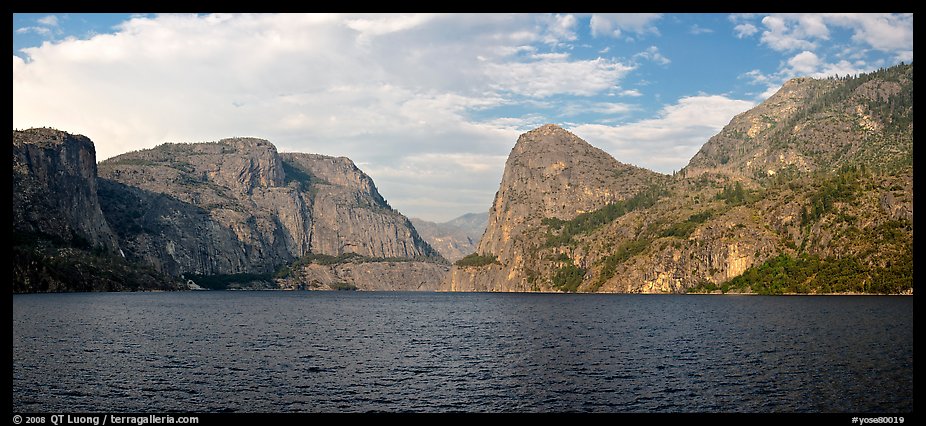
550,173
54,188
238,206
61,240
811,191
226,212
811,125
354,272
349,215
455,238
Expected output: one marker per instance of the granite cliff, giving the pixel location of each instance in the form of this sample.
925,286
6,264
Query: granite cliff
234,209
809,192
54,188
61,240
550,173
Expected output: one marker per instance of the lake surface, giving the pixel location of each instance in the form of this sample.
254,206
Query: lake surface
474,352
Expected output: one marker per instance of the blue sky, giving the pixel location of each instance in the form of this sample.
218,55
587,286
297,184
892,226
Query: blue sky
428,105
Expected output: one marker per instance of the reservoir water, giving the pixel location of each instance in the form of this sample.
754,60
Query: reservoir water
273,352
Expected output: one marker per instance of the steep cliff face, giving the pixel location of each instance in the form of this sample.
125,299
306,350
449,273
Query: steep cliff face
55,188
232,210
349,214
61,239
209,208
810,191
455,238
550,173
238,206
173,236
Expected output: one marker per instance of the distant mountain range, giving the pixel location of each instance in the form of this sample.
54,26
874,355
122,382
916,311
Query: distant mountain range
809,192
455,238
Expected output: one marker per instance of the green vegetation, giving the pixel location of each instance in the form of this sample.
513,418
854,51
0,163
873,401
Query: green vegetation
568,278
343,287
811,274
165,161
131,162
896,110
476,260
684,229
735,194
286,271
326,259
42,263
226,281
299,176
623,253
844,187
587,222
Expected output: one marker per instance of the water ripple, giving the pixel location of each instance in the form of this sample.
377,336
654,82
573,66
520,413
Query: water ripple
425,352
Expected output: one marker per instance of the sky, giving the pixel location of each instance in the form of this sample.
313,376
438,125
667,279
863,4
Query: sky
428,105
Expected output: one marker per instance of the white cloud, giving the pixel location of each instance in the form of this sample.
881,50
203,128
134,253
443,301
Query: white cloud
613,108
50,20
601,26
697,30
572,109
841,68
47,26
806,34
44,31
813,26
420,183
769,91
780,35
380,25
560,28
804,63
745,30
882,31
667,142
810,65
614,24
402,93
652,54
757,77
554,75
393,91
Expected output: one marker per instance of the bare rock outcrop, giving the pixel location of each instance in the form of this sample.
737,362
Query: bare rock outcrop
54,188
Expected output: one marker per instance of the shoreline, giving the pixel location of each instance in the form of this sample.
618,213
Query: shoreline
798,294
485,292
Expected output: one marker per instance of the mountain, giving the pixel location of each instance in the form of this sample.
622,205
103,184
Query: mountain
455,238
47,161
809,192
61,239
811,125
236,213
550,174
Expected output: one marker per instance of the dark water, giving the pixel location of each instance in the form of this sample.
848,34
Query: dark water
423,352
